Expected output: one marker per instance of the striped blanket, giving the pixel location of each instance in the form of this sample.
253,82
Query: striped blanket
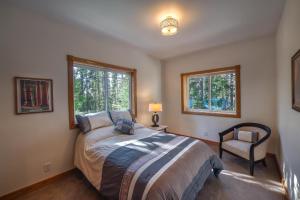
141,170
146,165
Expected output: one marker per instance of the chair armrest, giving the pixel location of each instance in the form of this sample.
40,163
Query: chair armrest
223,133
260,141
257,144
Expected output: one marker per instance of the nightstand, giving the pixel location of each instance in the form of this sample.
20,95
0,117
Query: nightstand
159,128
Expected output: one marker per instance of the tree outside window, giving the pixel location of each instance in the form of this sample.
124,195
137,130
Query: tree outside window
212,92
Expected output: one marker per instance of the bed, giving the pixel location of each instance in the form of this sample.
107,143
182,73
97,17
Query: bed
146,165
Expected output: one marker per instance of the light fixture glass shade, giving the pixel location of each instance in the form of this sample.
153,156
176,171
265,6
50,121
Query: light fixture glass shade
169,26
155,107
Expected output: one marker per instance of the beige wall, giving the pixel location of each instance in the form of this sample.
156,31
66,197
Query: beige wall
288,42
33,46
258,104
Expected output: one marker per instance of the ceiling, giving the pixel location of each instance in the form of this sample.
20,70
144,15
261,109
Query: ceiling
202,23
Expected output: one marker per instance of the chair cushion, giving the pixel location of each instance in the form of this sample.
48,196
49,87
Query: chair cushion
247,136
237,147
261,132
242,149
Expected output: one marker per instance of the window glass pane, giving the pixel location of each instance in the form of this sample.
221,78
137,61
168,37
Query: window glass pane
89,93
223,95
118,91
198,93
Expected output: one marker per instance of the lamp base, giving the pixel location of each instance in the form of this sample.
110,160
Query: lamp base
155,119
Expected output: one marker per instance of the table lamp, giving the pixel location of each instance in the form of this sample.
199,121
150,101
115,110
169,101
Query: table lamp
155,107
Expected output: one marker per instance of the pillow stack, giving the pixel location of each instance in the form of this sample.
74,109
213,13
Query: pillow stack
246,136
116,115
123,121
92,121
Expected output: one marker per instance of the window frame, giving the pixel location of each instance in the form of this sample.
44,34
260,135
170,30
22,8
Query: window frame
71,60
210,72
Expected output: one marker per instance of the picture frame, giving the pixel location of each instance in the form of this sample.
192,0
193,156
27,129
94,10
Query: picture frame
296,81
33,95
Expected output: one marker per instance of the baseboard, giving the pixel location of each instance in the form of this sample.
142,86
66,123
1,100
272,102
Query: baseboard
35,186
287,194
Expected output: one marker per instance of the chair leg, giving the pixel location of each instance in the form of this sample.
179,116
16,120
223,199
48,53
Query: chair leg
264,162
220,153
251,168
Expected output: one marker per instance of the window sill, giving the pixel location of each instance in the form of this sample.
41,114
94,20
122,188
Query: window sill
219,114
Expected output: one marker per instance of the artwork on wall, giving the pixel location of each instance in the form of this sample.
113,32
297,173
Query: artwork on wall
296,81
33,95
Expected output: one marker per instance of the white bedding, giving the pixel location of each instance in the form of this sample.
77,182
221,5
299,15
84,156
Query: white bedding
92,148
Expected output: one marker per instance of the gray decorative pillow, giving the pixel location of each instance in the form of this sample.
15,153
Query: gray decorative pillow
125,126
115,115
83,123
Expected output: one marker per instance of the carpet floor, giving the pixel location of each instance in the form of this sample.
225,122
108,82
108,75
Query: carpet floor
234,183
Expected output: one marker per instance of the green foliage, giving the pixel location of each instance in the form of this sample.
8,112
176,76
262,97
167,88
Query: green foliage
198,92
215,92
99,90
223,92
119,91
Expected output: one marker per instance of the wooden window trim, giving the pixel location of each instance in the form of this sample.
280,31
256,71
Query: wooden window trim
235,69
294,57
72,59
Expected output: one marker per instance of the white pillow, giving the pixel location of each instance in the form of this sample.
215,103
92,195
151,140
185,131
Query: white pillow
115,115
247,136
98,120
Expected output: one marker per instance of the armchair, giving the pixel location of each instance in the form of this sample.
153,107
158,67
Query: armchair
254,152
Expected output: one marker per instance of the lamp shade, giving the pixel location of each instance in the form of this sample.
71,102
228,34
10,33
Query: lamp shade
155,107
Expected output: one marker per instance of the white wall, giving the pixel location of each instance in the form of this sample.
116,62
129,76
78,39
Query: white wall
258,104
288,42
34,46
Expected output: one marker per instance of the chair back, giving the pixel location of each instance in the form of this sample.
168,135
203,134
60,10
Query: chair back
263,131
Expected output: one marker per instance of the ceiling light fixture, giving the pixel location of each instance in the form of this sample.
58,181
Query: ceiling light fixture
169,26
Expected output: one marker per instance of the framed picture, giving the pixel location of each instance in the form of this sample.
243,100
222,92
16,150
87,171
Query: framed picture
296,81
33,95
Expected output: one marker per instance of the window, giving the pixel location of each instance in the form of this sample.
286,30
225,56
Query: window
95,87
212,92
